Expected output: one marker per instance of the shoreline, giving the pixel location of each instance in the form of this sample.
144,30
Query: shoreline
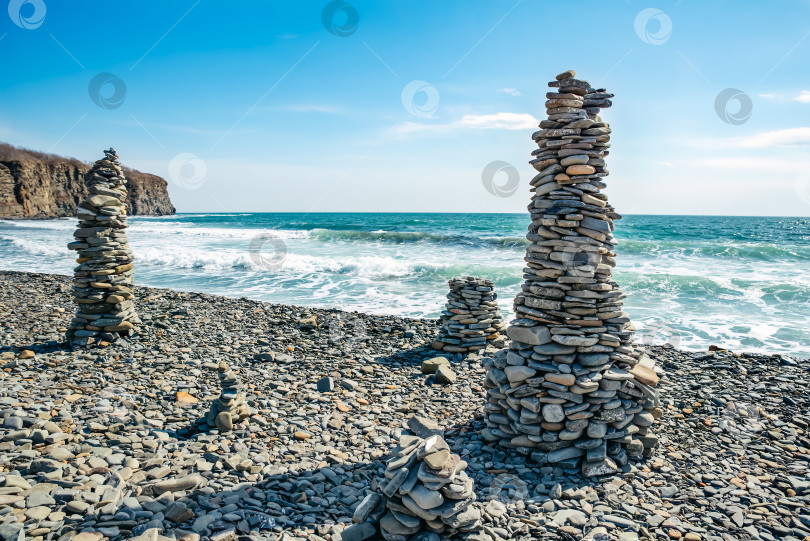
295,307
733,459
424,320
693,289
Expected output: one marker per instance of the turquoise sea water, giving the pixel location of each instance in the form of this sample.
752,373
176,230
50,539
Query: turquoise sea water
737,282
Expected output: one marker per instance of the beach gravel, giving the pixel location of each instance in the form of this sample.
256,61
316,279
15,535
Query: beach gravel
100,443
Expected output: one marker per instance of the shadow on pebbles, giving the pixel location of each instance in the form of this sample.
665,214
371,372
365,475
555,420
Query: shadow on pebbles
102,442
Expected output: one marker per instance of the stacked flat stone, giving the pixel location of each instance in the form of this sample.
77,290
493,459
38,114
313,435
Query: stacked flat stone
230,407
471,317
572,389
102,283
425,489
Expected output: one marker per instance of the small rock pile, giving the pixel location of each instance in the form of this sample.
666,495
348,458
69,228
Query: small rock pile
440,368
572,389
230,408
425,489
471,317
102,283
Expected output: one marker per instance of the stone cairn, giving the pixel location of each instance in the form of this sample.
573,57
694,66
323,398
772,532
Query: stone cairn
572,389
471,317
425,489
102,283
230,408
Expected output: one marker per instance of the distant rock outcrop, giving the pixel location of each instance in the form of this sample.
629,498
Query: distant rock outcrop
38,185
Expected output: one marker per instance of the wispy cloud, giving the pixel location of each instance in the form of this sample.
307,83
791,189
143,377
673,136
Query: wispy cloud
510,91
787,137
753,163
313,108
171,127
497,121
804,97
9,134
667,164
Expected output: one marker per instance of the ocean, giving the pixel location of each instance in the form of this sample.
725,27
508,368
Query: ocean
741,283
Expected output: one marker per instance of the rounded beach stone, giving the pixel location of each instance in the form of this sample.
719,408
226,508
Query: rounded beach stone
574,160
553,413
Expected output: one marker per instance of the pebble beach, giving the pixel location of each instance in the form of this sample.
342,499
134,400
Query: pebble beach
101,443
358,274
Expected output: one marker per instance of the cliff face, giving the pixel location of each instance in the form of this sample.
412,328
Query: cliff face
39,189
148,195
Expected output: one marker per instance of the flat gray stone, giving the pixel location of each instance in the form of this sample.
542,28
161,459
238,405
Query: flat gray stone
425,498
358,532
533,336
424,427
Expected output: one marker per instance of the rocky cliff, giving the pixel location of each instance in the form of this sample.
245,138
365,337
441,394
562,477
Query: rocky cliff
38,185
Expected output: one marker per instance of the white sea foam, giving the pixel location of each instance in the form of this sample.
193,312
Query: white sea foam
60,224
136,219
35,246
750,296
189,230
296,264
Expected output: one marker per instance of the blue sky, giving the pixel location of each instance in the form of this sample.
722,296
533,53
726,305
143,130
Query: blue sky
257,106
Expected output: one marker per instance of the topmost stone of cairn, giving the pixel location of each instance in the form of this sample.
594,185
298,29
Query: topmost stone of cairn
102,283
572,389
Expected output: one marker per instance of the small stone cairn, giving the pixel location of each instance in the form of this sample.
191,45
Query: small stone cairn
572,389
230,408
471,317
425,489
102,283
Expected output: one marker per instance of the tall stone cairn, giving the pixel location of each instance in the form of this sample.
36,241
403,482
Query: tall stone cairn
102,283
471,318
572,390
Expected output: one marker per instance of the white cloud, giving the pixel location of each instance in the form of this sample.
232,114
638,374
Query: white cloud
500,121
497,121
804,97
751,163
510,91
668,164
787,137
